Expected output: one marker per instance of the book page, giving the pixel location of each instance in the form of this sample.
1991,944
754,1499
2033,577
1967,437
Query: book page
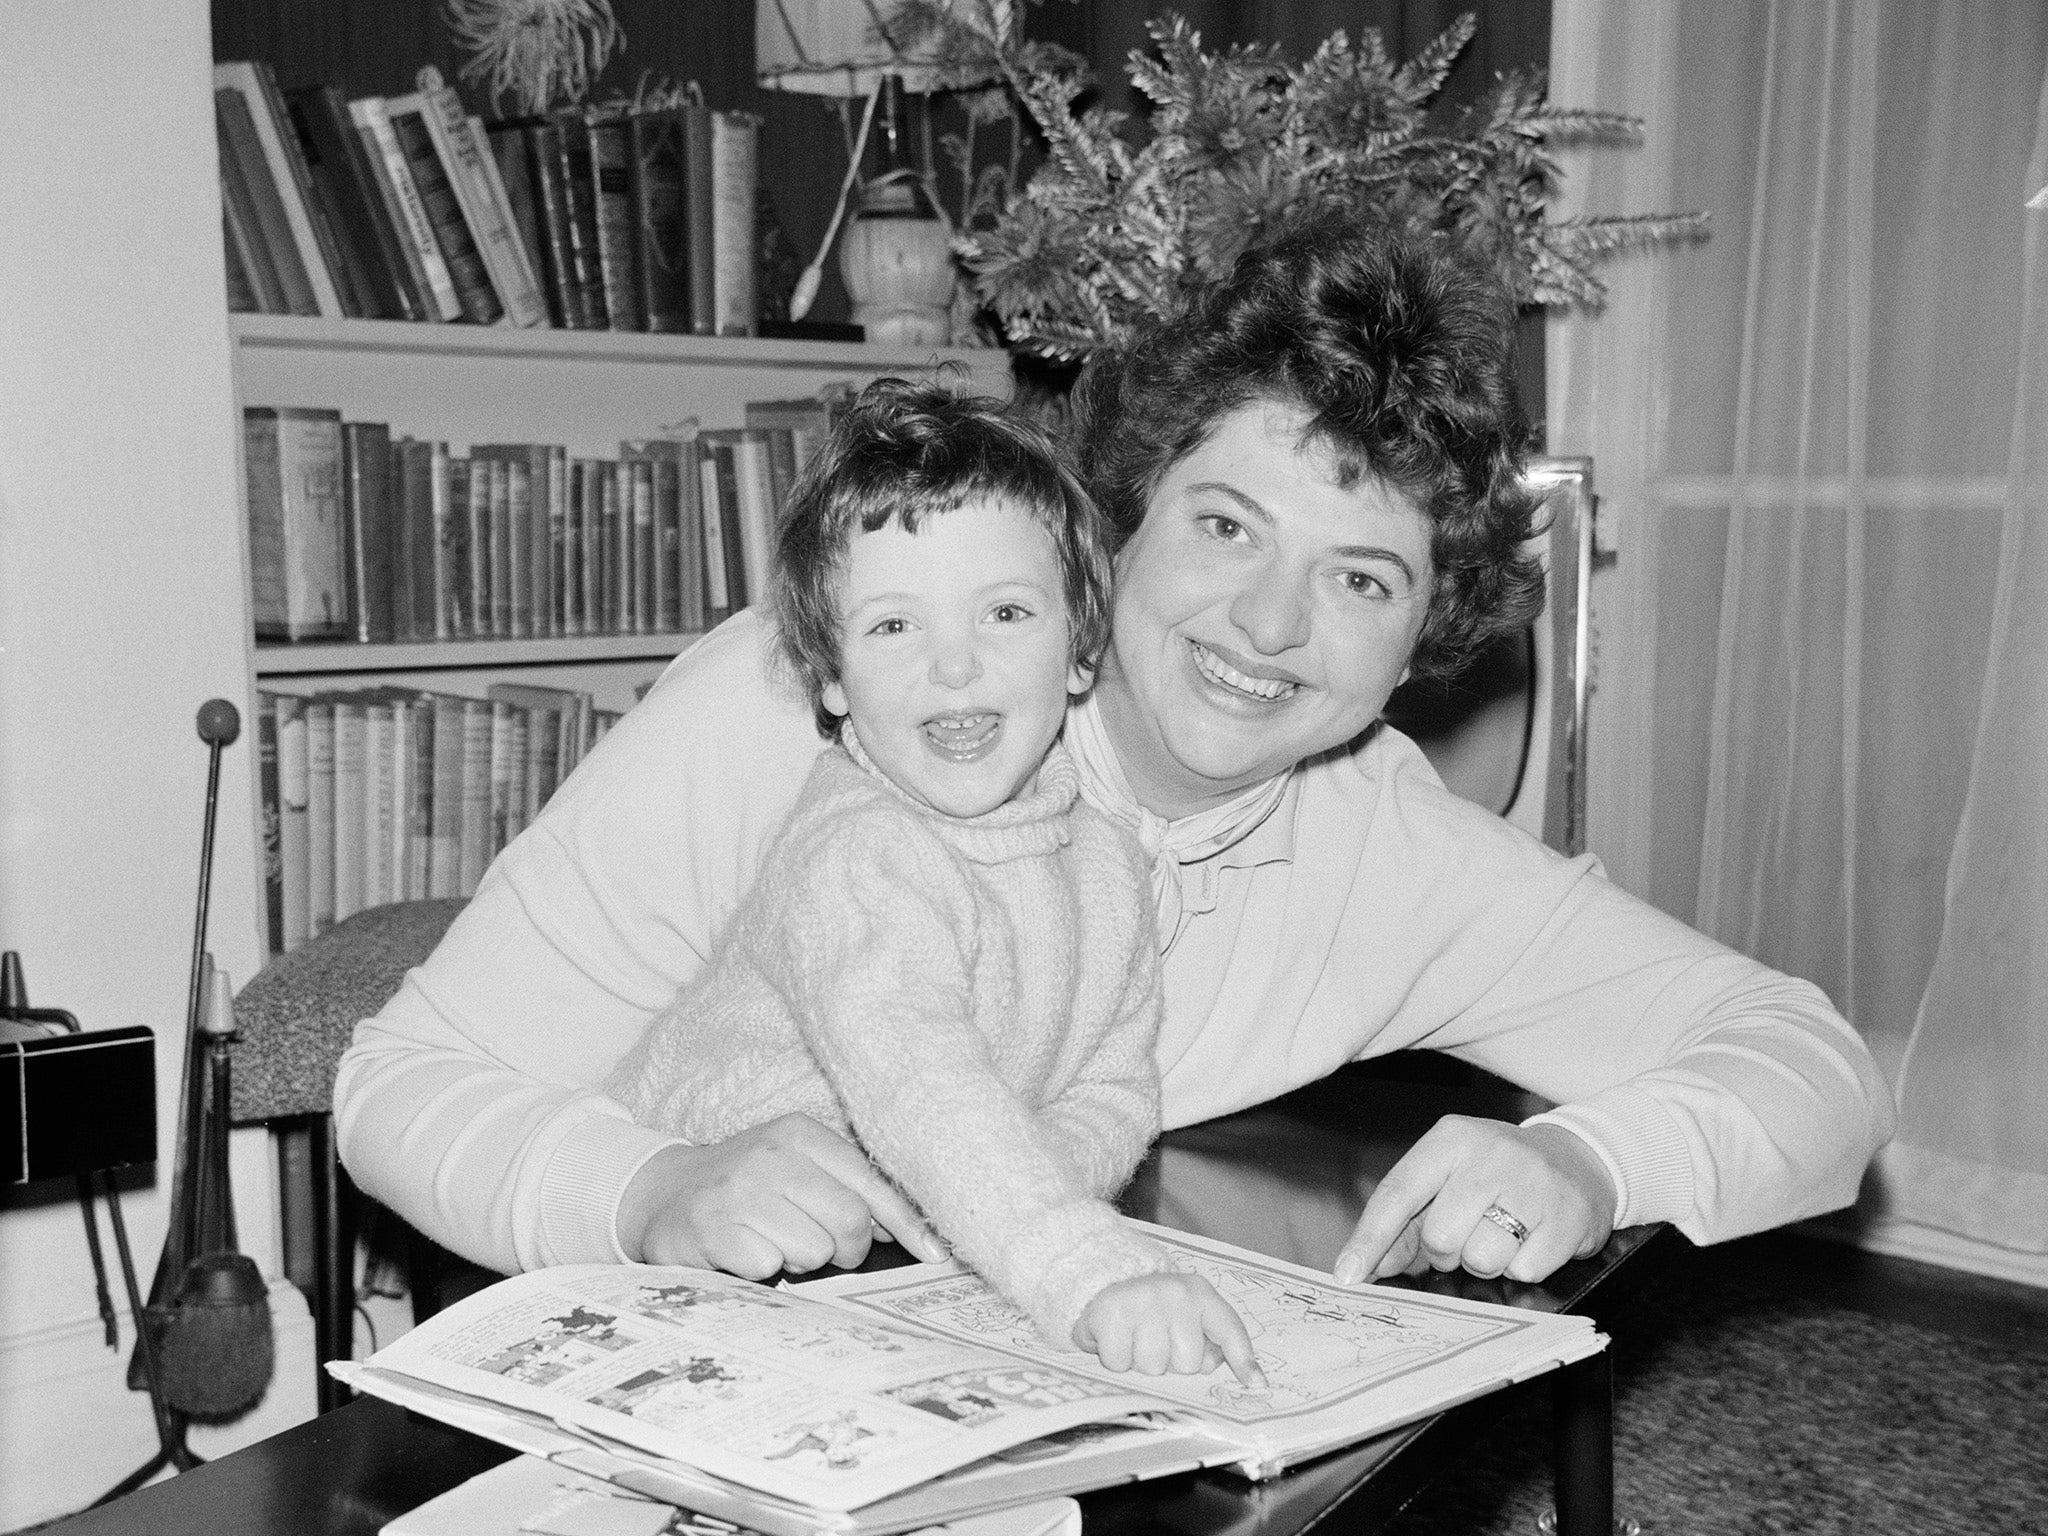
1341,1362
772,1390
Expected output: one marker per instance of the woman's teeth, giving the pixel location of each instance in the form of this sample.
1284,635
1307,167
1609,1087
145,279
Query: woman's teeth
962,735
1217,670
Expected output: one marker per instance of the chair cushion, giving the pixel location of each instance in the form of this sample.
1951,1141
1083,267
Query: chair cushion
299,1013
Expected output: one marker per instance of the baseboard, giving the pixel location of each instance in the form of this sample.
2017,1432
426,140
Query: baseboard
70,1429
1930,1245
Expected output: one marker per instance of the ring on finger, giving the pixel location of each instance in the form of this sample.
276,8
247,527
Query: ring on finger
1507,1223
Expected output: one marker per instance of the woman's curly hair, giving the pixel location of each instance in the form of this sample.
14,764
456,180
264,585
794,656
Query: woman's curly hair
904,452
1402,356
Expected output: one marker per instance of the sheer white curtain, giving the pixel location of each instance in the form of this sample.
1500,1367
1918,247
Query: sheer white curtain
1821,439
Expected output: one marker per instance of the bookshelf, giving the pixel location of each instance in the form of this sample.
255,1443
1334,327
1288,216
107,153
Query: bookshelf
583,389
470,385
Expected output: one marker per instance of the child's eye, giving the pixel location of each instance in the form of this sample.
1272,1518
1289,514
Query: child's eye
889,627
1009,613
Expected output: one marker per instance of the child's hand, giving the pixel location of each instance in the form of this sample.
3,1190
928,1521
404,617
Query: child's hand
1167,1322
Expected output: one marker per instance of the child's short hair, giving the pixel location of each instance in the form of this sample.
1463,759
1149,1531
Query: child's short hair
907,451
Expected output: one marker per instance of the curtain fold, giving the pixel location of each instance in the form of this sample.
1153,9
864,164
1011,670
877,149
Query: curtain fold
1822,442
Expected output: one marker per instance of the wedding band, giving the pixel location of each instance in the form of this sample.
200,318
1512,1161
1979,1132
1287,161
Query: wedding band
1505,1222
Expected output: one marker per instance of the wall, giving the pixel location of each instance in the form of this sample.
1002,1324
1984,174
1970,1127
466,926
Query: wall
119,568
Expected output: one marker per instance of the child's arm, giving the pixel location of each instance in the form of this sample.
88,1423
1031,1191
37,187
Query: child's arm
879,976
1107,1117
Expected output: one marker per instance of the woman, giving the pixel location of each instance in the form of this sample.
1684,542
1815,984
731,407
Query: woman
1314,478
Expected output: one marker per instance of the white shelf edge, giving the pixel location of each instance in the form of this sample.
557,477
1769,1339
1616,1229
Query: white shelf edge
300,333
444,655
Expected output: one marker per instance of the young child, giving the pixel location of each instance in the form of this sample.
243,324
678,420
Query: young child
946,954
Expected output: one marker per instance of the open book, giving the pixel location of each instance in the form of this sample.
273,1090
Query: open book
885,1402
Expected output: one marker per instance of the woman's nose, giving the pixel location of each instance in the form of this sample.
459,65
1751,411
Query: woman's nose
1272,612
955,664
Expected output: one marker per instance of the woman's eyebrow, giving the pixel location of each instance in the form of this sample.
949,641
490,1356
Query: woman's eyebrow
1348,552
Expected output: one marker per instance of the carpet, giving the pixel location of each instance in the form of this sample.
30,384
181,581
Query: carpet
1743,1407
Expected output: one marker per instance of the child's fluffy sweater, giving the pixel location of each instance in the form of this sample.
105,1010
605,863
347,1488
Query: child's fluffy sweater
975,1001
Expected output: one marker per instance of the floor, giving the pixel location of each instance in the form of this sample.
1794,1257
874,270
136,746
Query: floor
2000,1313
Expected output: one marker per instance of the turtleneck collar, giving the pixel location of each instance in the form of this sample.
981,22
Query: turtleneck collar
1030,826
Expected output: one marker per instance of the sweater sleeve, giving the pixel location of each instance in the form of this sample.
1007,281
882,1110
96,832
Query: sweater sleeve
1108,1115
879,976
472,1103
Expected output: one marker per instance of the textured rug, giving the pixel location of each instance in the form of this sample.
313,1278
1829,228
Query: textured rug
1740,1408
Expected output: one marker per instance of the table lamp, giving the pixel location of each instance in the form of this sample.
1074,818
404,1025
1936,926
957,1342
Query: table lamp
897,258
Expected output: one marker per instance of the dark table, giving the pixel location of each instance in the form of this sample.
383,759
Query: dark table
1287,1179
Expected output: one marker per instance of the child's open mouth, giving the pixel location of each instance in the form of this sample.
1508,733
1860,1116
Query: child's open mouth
963,738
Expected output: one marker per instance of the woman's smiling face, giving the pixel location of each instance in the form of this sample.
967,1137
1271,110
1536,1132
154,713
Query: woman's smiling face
1263,612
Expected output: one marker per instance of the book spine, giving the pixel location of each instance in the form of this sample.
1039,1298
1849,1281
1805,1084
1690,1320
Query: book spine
379,807
294,832
473,176
757,511
326,242
371,246
404,731
668,540
725,459
243,226
514,159
718,597
502,823
473,835
519,499
273,846
320,814
735,149
424,718
351,821
371,531
661,229
689,538
590,523
409,122
350,263
644,550
453,619
697,207
258,91
263,501
612,185
579,177
558,539
297,538
476,508
501,548
424,262
237,125
444,870
558,239
611,536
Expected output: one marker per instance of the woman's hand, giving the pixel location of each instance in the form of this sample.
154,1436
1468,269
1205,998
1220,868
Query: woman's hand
787,1195
1429,1211
1167,1322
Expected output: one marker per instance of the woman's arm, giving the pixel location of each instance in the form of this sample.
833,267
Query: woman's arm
470,1104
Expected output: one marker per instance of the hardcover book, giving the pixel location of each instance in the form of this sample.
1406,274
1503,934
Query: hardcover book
472,174
411,119
572,144
371,530
307,233
425,265
298,556
372,252
735,165
256,208
612,205
891,1401
658,142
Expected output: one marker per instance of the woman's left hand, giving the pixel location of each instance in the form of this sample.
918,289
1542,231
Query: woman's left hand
1457,1196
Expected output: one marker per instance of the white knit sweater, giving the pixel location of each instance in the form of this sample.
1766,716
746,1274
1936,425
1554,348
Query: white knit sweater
975,1001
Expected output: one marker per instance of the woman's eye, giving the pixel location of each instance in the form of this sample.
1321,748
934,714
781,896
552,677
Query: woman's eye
1222,527
1365,584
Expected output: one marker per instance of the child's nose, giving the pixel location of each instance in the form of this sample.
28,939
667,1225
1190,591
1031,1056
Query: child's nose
955,665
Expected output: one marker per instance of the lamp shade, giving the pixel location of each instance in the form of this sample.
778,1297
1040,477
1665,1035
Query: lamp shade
844,47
